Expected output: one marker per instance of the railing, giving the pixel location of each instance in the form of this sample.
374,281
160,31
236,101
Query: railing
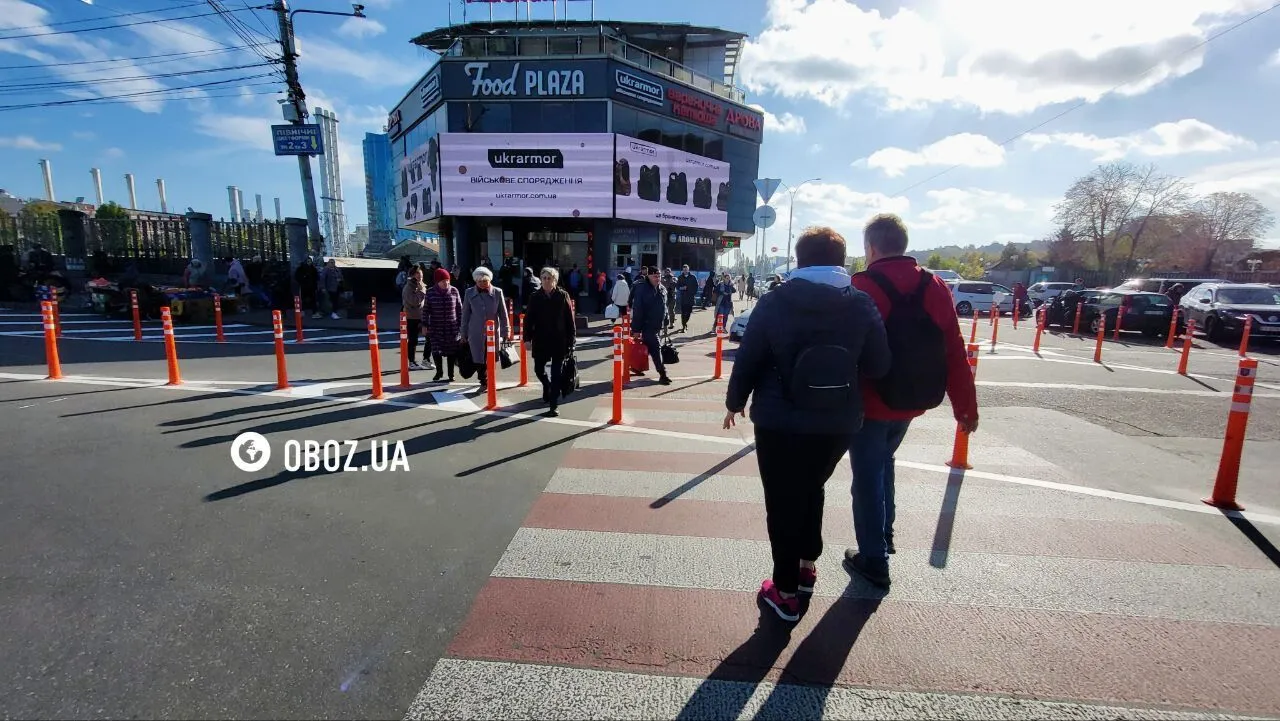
138,240
249,240
23,232
541,46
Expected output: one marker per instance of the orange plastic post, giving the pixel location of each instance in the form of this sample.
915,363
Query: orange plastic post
277,330
373,305
170,346
1224,486
50,341
995,333
1173,328
297,318
618,373
137,317
217,318
1102,335
491,363
719,345
626,349
1075,325
1186,347
375,359
404,352
57,313
1014,315
524,354
960,449
1115,334
995,313
1244,337
973,332
1035,347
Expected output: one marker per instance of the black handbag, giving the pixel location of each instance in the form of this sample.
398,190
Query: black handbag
569,379
466,366
507,357
670,356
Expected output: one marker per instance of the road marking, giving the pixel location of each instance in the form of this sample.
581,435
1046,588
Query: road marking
209,386
1086,387
454,401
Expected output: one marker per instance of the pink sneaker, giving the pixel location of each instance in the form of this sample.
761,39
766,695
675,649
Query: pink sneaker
808,577
788,609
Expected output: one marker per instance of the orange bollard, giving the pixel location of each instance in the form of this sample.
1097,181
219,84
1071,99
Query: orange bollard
618,374
1115,334
960,449
50,341
995,313
973,332
1102,335
1075,324
1173,328
297,318
719,345
373,306
57,314
1035,347
170,346
375,359
1224,486
995,333
404,352
217,318
524,354
1014,315
1186,347
626,349
1244,337
277,330
491,363
137,317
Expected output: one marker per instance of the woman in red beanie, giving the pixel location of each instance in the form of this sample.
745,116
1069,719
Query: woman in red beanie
442,313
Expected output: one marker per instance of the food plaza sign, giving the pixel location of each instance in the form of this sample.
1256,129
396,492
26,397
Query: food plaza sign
530,83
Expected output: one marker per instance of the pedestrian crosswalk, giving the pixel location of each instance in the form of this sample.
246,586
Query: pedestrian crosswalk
629,592
92,326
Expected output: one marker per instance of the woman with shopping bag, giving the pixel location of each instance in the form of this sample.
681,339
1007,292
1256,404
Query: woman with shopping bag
483,302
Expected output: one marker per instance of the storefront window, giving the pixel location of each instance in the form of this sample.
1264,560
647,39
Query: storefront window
590,117
625,120
480,118
672,134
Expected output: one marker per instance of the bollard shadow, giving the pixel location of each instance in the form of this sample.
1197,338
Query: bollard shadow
1251,532
747,665
698,479
516,456
60,395
185,398
946,519
1202,384
677,389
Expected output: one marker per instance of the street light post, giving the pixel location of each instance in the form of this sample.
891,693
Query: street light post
791,213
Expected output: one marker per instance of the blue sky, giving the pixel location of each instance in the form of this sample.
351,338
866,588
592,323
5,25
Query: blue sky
875,98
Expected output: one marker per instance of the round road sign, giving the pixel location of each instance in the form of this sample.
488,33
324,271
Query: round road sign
774,249
764,216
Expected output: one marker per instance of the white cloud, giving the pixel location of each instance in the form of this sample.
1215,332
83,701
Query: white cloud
1259,177
113,153
785,123
1165,139
964,54
368,66
954,207
26,142
838,206
360,29
243,130
83,134
963,149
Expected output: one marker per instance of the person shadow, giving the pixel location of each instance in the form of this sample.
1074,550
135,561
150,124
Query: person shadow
806,679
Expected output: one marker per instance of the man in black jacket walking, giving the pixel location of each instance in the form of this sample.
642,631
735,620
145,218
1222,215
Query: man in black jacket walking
648,311
549,325
687,285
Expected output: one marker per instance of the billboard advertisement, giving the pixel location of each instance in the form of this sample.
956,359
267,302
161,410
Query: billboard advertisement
418,189
535,175
656,184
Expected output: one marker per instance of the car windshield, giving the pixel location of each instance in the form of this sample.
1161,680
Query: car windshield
1157,299
1249,296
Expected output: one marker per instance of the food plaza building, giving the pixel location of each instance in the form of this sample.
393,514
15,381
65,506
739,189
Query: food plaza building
597,144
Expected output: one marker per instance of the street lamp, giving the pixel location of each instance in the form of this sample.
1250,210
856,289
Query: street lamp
791,214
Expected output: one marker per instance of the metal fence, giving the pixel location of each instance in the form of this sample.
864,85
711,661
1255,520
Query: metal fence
248,240
24,231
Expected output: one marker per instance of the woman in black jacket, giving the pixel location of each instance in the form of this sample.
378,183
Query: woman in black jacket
549,326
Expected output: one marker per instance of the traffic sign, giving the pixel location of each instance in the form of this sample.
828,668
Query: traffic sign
297,139
765,216
765,187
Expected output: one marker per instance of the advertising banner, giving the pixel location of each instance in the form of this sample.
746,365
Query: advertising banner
535,175
418,191
656,184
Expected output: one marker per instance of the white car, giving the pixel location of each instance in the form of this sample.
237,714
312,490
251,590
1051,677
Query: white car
1043,292
947,275
978,295
739,325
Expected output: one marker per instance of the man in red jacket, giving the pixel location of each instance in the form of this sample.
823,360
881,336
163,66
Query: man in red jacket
887,418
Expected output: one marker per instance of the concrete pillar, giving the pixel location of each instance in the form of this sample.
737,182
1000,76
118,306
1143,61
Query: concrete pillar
200,225
295,230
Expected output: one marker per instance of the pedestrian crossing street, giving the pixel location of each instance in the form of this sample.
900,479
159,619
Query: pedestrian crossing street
629,593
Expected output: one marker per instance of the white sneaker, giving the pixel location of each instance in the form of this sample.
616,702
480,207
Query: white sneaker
334,316
316,315
413,366
429,366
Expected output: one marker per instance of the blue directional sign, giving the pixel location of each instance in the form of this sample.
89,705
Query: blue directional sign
298,139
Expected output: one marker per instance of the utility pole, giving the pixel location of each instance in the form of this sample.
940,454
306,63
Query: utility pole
791,214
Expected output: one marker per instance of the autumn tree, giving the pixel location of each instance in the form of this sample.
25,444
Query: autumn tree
1226,224
1062,248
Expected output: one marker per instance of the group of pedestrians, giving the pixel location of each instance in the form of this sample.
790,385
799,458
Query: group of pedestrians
835,364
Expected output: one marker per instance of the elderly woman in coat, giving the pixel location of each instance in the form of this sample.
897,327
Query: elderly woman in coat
483,302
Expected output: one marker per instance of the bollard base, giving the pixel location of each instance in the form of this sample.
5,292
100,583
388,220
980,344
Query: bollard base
1224,505
961,466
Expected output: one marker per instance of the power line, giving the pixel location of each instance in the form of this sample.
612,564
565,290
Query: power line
1083,103
89,20
152,21
241,30
176,99
140,94
61,85
136,60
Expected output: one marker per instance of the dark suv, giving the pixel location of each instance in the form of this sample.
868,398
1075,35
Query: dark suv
1220,309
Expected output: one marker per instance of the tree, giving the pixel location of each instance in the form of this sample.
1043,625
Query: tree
1093,208
112,223
1227,224
935,261
1153,195
1062,248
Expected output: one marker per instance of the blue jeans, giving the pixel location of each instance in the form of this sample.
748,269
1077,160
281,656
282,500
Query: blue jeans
871,453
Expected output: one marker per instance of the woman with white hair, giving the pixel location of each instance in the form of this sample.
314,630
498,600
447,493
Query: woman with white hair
483,302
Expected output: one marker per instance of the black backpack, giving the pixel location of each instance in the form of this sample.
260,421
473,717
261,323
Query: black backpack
823,377
917,378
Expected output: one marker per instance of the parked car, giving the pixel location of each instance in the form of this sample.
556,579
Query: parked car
1148,313
1061,309
1162,285
739,324
947,275
1043,291
1219,309
979,295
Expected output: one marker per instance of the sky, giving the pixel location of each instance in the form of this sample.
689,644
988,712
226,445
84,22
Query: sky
969,119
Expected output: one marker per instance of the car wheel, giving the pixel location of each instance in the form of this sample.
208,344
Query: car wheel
964,308
1098,324
1213,329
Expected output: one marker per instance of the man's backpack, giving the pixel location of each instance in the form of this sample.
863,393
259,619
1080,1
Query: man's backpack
917,378
823,377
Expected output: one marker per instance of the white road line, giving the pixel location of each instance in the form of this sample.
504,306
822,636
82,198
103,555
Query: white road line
209,386
1225,394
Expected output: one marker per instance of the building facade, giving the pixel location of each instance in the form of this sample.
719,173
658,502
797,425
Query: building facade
600,145
379,194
